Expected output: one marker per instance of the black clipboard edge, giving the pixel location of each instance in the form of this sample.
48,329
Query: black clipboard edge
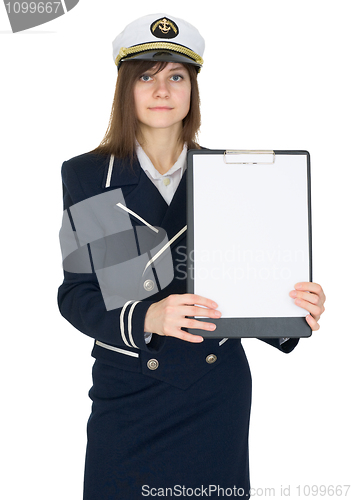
249,327
255,328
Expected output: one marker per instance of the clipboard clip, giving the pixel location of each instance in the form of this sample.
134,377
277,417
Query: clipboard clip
242,156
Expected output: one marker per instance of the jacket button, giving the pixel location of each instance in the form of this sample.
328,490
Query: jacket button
211,358
153,364
148,285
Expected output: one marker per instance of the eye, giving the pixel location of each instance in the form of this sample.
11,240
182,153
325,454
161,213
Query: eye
145,78
176,78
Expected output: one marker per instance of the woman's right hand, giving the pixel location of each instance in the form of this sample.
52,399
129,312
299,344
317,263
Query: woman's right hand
168,316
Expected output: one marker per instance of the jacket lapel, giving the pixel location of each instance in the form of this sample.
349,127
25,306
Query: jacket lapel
143,198
175,218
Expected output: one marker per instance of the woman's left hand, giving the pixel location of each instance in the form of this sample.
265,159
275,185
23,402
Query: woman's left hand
310,296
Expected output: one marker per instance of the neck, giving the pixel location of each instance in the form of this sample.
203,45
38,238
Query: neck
162,146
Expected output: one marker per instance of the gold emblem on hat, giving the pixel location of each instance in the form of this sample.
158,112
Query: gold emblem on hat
165,25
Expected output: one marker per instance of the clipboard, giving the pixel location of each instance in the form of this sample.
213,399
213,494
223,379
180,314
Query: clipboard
249,239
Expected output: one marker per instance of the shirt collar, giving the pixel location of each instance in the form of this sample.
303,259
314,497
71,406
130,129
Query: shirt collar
147,165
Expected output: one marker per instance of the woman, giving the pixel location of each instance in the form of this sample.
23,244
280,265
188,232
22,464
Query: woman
170,411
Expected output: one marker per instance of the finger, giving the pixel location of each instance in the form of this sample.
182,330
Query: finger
310,287
188,337
313,323
202,325
199,311
309,297
308,306
191,299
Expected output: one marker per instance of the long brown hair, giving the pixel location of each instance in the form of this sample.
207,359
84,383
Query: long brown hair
120,136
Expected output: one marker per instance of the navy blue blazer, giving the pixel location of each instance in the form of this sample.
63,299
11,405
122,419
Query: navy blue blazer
119,333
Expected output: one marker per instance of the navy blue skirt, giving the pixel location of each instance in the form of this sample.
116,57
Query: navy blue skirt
149,438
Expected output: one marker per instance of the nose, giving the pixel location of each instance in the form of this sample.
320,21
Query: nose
161,88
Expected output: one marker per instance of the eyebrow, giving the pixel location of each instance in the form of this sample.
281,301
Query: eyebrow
178,68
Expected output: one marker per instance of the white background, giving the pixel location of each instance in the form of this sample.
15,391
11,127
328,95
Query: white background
276,76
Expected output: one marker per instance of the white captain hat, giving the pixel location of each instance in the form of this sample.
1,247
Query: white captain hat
159,37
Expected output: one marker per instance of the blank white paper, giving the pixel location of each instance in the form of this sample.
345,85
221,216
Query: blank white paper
251,234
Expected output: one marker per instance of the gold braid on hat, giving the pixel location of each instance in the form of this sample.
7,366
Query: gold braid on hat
180,49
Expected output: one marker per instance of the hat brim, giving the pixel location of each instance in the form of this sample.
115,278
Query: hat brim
160,56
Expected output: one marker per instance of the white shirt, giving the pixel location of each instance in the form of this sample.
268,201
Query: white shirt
167,185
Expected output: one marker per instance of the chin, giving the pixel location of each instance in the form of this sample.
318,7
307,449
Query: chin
163,124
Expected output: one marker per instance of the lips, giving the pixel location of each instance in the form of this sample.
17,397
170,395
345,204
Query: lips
160,108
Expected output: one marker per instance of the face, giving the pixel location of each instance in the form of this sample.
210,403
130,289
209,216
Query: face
163,100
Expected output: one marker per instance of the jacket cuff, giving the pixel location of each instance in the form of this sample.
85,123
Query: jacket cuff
133,322
289,345
285,347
